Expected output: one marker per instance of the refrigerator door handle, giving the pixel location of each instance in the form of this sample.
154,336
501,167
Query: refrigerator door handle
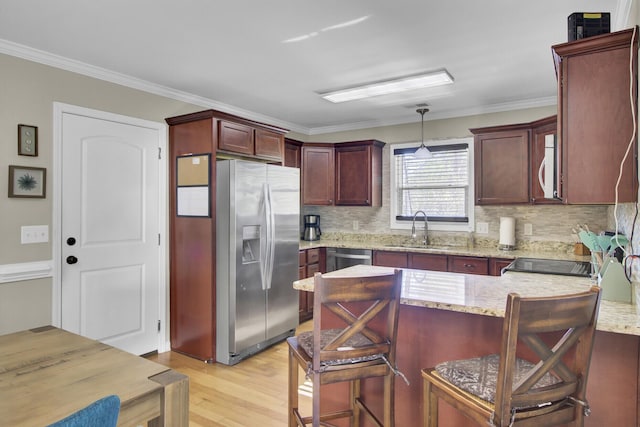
264,239
267,256
271,236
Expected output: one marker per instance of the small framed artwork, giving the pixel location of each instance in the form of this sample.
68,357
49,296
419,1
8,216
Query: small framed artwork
25,181
27,140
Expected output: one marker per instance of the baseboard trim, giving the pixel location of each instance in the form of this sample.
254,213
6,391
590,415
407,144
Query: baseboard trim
26,271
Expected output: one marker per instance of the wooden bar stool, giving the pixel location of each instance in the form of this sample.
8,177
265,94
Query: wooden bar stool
544,385
363,347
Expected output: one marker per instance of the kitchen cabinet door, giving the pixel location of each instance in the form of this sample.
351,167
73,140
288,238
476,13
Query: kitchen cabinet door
269,144
309,261
318,175
292,149
497,264
501,165
235,137
359,173
596,90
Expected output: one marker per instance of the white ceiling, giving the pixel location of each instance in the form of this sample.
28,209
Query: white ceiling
267,60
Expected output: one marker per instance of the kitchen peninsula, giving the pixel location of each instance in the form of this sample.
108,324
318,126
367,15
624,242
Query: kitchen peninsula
446,316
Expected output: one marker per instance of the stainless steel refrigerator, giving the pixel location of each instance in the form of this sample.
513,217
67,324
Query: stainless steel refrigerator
257,238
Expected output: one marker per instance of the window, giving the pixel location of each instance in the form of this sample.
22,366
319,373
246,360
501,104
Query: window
441,186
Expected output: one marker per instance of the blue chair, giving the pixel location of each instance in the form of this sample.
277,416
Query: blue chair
101,413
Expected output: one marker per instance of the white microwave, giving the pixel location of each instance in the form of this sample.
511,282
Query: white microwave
548,172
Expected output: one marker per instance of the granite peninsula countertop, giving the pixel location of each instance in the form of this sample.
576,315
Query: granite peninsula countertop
487,295
477,251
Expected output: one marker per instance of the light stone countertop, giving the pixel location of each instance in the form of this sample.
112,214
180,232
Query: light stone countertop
487,295
478,251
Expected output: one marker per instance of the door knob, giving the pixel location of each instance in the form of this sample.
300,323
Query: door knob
71,241
71,259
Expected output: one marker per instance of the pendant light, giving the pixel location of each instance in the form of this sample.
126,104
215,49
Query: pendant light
422,152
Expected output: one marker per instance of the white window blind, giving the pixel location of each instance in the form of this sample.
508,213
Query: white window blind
439,185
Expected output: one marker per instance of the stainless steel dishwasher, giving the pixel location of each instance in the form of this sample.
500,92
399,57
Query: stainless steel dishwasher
338,258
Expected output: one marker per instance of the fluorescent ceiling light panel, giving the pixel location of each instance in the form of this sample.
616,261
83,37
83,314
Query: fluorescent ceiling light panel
436,78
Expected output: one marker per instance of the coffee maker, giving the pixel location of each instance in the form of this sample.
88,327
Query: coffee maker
311,227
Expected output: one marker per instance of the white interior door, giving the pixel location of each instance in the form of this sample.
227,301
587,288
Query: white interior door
110,231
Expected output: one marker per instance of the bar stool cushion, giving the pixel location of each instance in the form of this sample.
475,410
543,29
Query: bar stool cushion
305,340
479,375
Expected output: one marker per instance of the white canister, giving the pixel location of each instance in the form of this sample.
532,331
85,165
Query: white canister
507,233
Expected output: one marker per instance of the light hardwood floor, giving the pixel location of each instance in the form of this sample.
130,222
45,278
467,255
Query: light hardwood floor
251,393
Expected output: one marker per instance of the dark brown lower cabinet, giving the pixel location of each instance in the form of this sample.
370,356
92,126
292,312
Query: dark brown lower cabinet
434,262
390,259
311,262
497,264
468,265
441,262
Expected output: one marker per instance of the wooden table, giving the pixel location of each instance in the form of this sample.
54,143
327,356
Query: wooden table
48,373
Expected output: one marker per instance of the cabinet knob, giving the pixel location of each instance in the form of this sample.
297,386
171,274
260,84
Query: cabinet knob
468,266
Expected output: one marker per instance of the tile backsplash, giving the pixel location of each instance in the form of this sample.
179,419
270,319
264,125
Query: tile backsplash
551,224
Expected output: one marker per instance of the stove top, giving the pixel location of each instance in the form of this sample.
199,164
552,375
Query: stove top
551,266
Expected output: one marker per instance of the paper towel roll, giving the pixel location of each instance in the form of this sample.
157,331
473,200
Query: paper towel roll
507,233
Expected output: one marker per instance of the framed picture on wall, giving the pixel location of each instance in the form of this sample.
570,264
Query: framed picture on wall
25,181
27,140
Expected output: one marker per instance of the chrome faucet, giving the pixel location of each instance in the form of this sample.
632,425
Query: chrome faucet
425,240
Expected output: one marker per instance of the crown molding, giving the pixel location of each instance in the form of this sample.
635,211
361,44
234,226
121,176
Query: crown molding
46,58
57,61
439,115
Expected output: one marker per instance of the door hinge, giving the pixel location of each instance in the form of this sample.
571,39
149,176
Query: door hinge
159,153
158,326
158,239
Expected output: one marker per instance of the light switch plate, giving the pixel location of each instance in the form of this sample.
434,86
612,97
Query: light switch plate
34,234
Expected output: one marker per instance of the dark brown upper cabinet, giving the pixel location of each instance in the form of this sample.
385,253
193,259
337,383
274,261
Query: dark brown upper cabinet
597,87
343,174
509,162
318,174
501,159
292,153
239,137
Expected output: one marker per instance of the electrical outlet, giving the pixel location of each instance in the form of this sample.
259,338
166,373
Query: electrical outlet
528,230
482,227
356,225
34,234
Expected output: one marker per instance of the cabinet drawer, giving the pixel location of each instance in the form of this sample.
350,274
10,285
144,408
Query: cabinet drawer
302,272
434,262
469,265
313,256
302,258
